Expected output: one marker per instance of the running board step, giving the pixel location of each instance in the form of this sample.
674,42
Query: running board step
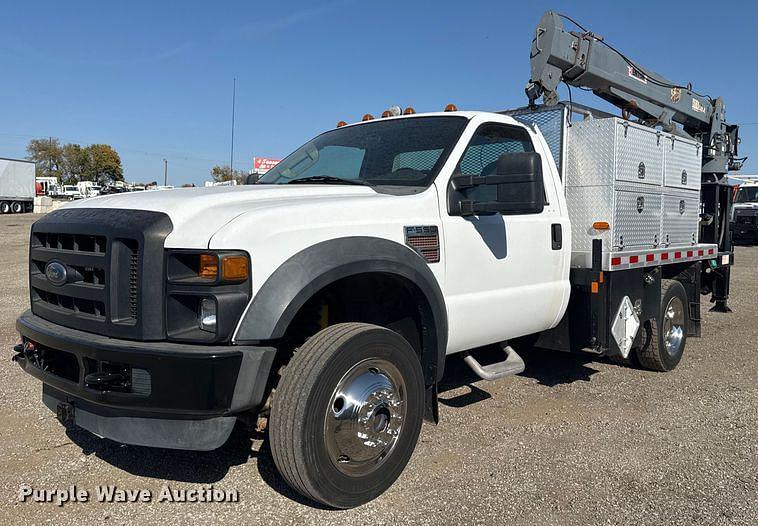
513,364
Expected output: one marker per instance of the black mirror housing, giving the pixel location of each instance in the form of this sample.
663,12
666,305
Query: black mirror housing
520,188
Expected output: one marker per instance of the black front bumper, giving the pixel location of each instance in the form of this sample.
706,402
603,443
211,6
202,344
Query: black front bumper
173,395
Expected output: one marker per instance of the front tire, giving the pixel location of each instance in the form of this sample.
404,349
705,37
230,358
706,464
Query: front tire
666,335
347,413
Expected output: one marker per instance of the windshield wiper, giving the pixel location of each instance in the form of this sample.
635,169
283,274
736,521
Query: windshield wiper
328,179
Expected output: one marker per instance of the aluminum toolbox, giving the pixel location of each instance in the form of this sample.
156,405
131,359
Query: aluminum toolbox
644,182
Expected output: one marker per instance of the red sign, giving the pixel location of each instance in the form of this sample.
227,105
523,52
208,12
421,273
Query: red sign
261,165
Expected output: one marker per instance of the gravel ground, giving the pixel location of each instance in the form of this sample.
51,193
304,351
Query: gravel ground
572,440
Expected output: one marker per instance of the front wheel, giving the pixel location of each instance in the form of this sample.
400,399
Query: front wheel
347,413
666,335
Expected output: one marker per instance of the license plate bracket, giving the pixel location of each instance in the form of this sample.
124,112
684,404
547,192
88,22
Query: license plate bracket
65,413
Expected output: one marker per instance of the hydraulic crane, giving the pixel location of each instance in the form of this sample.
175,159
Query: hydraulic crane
585,60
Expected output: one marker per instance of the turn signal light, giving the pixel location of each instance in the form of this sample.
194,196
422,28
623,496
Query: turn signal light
340,124
409,111
451,107
368,117
208,268
601,225
234,268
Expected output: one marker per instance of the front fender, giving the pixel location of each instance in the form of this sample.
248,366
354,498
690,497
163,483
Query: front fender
280,298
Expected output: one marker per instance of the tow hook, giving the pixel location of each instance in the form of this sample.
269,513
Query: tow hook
24,350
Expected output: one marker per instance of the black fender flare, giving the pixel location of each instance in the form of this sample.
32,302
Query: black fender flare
283,294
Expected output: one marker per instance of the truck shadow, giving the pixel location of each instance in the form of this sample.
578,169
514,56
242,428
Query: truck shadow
198,467
548,368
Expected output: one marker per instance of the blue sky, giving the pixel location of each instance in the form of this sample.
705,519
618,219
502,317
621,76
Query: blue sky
154,79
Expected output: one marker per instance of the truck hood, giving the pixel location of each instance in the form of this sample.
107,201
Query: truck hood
197,213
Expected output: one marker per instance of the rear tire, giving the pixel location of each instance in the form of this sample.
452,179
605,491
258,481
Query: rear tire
17,207
347,413
666,335
5,207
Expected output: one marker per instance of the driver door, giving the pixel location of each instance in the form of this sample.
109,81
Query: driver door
503,275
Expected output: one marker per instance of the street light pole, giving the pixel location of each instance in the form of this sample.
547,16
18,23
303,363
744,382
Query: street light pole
165,172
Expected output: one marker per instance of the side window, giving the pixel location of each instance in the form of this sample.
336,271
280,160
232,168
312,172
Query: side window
337,161
486,146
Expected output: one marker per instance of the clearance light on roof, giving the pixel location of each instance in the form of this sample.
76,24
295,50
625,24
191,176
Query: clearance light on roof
409,111
340,124
386,113
451,107
368,117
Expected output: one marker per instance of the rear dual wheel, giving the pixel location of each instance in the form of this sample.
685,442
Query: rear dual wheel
666,335
5,207
347,413
17,207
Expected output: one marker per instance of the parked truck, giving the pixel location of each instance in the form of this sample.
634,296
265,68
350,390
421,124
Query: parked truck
745,213
322,302
17,187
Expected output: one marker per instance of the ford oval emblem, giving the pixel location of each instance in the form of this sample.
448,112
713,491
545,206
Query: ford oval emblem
56,273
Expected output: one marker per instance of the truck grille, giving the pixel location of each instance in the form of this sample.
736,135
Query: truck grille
103,254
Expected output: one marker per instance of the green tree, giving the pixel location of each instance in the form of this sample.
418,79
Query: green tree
72,163
225,173
48,156
104,165
76,164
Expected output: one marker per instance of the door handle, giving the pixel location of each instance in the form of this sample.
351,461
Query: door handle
557,236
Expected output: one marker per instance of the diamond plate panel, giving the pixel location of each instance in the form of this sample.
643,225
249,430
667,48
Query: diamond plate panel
587,204
590,155
681,215
682,163
636,219
639,154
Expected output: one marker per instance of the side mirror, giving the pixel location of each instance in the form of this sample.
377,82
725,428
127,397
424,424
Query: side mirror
519,188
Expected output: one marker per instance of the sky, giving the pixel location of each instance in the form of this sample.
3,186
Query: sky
155,79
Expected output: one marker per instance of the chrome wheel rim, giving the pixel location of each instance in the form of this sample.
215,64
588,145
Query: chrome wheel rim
365,416
673,326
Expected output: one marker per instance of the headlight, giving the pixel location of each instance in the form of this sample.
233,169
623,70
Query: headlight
206,293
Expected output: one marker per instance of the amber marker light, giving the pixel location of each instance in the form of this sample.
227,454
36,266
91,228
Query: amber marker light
409,111
208,267
451,107
340,124
234,268
601,225
368,117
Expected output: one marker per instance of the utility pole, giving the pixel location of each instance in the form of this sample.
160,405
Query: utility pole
165,172
231,153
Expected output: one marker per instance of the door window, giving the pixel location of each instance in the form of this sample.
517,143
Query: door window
486,146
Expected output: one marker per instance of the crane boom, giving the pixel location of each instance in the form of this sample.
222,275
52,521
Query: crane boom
583,59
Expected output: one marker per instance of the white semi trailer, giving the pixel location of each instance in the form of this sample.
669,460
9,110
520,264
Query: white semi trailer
16,186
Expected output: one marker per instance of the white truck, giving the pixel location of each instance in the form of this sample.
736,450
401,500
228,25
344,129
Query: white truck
322,301
745,212
17,186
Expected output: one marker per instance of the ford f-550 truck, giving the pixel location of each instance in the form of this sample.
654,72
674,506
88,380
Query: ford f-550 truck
325,298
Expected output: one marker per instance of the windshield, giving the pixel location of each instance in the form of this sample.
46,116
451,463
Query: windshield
747,195
403,152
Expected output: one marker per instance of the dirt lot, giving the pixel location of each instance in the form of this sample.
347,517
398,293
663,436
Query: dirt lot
572,440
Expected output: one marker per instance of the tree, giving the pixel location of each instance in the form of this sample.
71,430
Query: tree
48,156
225,173
72,163
104,164
76,164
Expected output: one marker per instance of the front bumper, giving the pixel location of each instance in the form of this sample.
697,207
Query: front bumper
160,394
745,228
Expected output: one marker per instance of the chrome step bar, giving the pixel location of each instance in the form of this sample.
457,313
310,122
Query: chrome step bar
513,364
